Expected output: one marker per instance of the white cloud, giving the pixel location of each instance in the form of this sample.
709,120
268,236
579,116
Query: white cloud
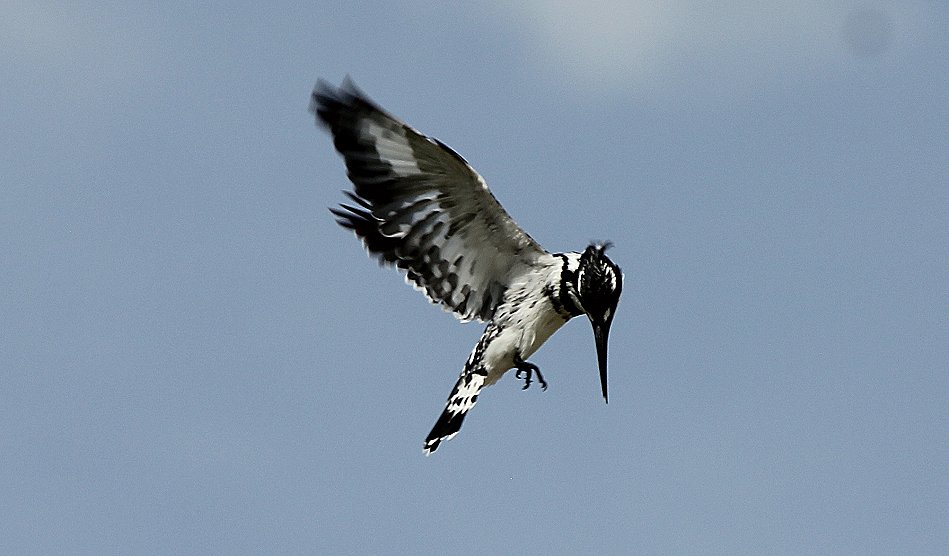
71,44
648,44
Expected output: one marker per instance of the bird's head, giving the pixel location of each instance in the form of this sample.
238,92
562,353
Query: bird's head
599,284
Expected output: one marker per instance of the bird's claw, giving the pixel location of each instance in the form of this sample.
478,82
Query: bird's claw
528,370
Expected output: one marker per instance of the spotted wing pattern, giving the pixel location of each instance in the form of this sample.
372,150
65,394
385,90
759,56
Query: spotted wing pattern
419,205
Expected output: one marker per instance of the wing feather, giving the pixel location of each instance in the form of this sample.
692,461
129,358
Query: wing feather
420,206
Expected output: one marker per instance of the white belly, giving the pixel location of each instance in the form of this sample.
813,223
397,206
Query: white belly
526,331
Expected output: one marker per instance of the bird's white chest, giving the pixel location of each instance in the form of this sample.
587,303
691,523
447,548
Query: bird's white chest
527,326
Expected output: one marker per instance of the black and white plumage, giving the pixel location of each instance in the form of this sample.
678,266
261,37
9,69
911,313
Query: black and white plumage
419,206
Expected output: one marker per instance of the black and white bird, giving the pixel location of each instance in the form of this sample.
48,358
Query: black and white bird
420,206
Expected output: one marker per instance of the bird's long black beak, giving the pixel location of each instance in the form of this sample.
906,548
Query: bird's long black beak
601,333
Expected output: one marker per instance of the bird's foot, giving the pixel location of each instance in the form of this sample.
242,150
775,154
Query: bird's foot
528,370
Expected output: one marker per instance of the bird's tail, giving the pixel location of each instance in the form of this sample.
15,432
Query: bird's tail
463,397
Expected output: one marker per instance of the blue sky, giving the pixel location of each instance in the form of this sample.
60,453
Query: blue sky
197,360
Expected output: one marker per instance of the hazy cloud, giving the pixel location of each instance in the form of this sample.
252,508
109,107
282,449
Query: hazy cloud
86,49
651,43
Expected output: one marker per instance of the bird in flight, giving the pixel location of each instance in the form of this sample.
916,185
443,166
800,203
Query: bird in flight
418,205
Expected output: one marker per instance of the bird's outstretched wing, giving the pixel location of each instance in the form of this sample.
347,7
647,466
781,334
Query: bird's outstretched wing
420,206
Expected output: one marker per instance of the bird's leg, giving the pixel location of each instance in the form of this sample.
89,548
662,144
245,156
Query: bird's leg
529,369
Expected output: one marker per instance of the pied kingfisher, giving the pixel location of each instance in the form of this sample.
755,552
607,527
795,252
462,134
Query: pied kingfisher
421,207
